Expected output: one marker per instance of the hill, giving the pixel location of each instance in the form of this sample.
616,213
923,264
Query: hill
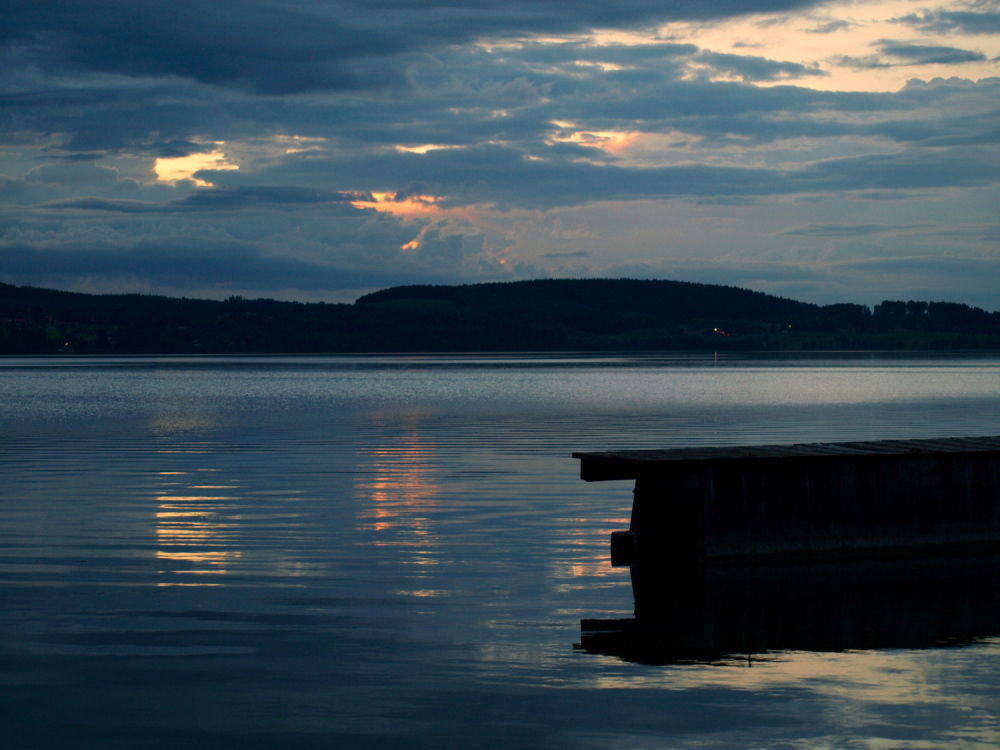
542,315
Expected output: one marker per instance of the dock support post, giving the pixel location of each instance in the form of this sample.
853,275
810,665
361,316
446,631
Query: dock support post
667,530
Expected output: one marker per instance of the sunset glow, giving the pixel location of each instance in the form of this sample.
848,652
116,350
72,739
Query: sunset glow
410,207
787,148
424,149
185,167
345,344
610,141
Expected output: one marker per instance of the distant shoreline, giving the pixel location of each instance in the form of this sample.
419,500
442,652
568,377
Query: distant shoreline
598,316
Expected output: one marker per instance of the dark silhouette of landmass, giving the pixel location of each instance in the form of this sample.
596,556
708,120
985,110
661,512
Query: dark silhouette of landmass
543,315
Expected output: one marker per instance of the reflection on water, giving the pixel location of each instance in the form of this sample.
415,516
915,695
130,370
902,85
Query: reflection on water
725,611
398,497
378,552
196,533
396,488
587,559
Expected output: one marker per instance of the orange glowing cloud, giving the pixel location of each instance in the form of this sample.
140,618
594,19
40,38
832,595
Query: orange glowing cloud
409,207
424,149
606,140
184,167
428,207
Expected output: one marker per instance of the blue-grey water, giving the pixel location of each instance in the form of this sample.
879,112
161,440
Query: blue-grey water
396,552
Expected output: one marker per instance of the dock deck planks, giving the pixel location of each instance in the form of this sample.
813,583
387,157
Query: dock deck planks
631,464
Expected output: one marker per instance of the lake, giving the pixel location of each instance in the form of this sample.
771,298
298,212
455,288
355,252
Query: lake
397,552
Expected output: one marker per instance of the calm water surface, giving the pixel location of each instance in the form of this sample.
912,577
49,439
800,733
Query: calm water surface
373,552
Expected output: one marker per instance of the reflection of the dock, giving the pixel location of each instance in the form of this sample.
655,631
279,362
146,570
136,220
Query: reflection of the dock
727,611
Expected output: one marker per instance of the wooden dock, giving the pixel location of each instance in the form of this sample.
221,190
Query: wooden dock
697,505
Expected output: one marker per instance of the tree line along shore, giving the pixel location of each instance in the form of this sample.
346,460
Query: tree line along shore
519,316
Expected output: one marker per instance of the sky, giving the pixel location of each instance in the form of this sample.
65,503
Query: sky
320,149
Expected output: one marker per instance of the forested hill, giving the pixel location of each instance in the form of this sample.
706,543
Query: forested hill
671,301
543,315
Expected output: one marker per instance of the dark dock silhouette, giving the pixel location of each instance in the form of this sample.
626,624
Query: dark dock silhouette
828,546
731,611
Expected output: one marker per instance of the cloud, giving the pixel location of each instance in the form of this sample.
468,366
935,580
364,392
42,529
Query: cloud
842,230
333,257
310,46
924,54
72,172
921,277
466,97
61,179
901,53
256,239
504,176
215,199
830,27
489,122
204,265
752,68
947,22
912,170
578,254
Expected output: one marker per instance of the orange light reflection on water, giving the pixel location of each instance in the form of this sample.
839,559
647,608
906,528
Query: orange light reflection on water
194,533
399,496
589,555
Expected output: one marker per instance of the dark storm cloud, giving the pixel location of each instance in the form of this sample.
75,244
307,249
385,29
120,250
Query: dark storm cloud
944,22
310,46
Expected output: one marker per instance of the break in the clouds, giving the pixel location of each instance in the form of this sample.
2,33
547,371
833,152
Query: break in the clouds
317,149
